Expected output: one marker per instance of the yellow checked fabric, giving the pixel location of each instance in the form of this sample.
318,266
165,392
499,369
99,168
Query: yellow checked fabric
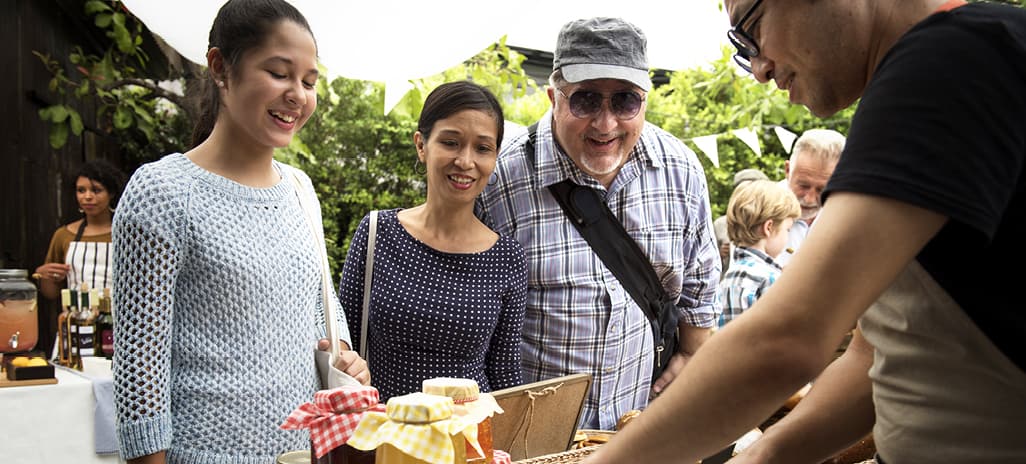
419,425
460,390
470,403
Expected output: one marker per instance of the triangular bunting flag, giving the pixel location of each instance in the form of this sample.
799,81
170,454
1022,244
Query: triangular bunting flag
394,92
749,137
707,144
786,137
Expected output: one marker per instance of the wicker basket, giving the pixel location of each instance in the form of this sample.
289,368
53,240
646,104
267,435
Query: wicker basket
566,457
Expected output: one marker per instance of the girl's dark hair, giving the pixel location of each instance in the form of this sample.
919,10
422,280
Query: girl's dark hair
107,175
240,25
453,97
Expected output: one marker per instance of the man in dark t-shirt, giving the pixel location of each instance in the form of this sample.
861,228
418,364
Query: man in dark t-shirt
925,205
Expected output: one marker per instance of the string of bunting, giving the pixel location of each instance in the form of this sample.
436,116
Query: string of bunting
707,144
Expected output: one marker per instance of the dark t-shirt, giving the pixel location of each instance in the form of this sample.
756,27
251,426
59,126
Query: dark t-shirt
942,125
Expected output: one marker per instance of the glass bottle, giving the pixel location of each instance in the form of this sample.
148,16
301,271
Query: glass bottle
103,337
82,327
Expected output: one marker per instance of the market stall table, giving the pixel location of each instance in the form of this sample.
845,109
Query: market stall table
51,424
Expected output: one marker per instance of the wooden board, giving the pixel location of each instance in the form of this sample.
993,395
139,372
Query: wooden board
25,383
539,418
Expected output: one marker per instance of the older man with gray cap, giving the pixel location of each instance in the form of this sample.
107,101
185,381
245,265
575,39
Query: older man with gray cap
579,316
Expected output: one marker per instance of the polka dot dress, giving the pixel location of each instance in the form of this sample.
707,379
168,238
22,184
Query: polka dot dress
436,314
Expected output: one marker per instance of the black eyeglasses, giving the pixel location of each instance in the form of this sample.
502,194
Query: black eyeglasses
586,103
743,41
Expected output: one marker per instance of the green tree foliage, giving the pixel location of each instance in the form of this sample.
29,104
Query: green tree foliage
720,98
360,158
143,117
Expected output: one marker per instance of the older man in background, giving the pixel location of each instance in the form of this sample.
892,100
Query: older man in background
813,159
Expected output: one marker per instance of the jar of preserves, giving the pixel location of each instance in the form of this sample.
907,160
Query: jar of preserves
294,457
19,323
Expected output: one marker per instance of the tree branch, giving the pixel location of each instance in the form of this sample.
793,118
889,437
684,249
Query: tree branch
149,85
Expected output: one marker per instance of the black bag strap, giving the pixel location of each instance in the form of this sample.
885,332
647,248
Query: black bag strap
617,250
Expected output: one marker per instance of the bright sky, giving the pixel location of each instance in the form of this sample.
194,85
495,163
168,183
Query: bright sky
393,41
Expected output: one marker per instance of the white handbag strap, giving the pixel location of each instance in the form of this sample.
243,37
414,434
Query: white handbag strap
330,321
368,276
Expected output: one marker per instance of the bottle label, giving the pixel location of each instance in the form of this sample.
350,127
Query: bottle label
107,342
85,340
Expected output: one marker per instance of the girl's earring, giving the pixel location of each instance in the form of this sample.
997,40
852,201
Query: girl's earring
81,210
220,84
111,208
418,167
494,179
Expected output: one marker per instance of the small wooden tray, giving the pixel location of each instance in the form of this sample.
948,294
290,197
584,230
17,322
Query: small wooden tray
24,383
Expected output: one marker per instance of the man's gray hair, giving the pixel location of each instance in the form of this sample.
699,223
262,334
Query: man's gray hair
556,79
825,144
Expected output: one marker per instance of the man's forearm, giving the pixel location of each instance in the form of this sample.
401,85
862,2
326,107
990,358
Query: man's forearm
837,412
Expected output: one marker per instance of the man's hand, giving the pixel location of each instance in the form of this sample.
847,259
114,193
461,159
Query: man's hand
753,455
349,362
691,338
677,362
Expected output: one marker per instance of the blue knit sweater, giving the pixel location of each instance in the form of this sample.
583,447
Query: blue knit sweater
217,294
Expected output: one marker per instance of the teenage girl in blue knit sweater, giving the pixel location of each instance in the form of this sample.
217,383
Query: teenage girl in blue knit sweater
217,275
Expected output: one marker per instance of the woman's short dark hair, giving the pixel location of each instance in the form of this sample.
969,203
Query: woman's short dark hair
105,174
453,97
240,25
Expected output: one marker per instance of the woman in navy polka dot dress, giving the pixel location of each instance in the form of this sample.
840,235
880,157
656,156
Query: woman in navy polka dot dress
448,293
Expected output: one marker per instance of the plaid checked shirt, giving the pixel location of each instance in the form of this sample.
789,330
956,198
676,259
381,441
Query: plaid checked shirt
750,274
579,318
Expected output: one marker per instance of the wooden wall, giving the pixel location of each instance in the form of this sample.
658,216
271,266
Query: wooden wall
35,180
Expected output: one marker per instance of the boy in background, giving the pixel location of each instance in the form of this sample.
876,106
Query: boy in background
759,216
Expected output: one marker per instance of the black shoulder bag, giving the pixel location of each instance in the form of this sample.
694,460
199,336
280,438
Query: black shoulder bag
622,255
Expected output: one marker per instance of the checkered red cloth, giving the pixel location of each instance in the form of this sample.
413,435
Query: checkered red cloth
333,415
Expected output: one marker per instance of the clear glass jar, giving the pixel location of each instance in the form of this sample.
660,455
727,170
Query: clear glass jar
19,324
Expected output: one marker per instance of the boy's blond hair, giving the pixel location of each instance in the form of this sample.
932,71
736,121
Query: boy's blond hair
755,202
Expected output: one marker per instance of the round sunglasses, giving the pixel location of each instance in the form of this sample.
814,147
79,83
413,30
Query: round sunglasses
586,103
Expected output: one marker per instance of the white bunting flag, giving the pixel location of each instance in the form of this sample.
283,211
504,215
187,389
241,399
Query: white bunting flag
750,138
786,137
394,92
707,144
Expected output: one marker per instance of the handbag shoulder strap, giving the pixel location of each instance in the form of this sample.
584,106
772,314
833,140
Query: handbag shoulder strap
330,321
368,278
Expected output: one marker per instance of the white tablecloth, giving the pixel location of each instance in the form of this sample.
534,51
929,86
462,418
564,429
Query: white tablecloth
50,424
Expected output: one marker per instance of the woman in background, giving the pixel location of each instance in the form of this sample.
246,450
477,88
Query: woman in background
80,251
448,293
